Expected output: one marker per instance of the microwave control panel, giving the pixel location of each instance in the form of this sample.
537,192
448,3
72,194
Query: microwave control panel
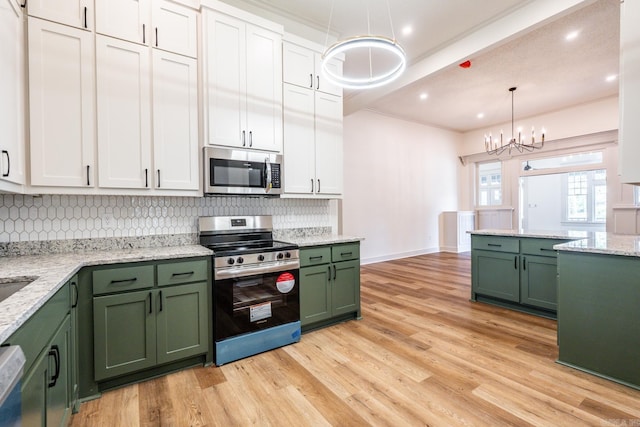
275,175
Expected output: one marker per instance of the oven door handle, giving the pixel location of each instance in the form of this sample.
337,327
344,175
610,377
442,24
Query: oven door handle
267,175
229,273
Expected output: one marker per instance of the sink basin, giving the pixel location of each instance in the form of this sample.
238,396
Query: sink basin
10,286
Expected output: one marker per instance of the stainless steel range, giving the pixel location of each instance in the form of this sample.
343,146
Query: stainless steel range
255,289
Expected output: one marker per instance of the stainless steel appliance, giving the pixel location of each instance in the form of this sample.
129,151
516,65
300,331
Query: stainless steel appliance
244,172
255,289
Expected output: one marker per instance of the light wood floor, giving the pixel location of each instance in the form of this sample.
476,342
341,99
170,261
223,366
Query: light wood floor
422,355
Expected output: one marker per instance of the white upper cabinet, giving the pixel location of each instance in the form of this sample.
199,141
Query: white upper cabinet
175,121
75,13
303,67
328,109
61,104
629,131
124,19
174,28
12,101
299,140
124,114
242,70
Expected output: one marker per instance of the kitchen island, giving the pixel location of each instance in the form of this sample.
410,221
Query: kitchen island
599,306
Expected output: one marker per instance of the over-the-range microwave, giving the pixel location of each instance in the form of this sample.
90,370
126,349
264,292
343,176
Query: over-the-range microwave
231,171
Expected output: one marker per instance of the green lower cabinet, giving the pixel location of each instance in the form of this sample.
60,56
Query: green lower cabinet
124,331
496,274
47,387
538,282
134,331
315,294
182,322
345,287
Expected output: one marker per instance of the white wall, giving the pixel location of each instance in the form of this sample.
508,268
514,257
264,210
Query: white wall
398,178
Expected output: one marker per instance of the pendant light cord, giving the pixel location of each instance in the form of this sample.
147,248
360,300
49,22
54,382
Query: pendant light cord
326,40
393,33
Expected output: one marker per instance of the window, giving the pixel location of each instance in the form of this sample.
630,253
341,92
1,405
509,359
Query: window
586,196
490,184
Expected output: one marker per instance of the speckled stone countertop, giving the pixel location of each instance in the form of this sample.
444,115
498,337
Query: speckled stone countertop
323,239
50,272
541,234
11,365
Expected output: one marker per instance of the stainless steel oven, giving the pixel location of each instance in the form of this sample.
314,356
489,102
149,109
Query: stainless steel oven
256,288
243,172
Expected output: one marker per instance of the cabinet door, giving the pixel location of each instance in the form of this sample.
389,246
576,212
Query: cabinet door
182,322
76,13
174,28
224,70
124,332
299,140
321,83
298,65
264,88
124,114
345,290
496,274
315,294
12,88
175,121
58,389
328,144
73,345
124,19
61,103
539,282
34,392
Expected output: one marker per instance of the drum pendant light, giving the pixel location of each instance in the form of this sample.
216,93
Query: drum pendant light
371,44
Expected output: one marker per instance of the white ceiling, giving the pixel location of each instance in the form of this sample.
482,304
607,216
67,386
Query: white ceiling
550,72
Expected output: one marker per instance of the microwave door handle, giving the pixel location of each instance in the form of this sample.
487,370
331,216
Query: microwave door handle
267,172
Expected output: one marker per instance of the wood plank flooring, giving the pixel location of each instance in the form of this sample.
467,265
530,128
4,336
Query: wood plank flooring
423,354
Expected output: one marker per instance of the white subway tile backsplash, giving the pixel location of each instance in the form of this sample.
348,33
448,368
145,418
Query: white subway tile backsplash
26,218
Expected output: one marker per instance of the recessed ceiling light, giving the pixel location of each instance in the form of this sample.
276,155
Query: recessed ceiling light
424,96
572,35
480,115
611,77
406,30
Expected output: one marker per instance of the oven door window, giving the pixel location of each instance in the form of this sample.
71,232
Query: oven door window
247,304
236,173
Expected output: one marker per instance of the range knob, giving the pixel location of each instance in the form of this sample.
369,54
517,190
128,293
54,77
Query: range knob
230,261
280,256
240,260
287,254
260,257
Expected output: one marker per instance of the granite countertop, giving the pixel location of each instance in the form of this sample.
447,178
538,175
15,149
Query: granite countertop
322,239
51,272
541,234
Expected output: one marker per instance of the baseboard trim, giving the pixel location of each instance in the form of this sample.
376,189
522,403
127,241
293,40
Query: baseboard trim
391,257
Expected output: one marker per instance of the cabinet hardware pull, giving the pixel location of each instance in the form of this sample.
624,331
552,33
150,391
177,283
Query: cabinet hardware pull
312,185
318,86
23,5
547,250
156,36
150,304
55,352
88,182
158,178
311,80
144,34
243,138
85,17
334,272
146,178
495,245
187,273
123,281
318,185
329,268
346,253
524,263
8,163
515,262
74,285
316,257
250,138
160,300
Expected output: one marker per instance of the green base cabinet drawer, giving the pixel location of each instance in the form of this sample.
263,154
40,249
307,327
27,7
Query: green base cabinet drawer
315,256
175,273
345,252
542,247
496,243
121,279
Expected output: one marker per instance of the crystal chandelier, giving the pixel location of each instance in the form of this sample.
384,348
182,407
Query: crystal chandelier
521,144
370,43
